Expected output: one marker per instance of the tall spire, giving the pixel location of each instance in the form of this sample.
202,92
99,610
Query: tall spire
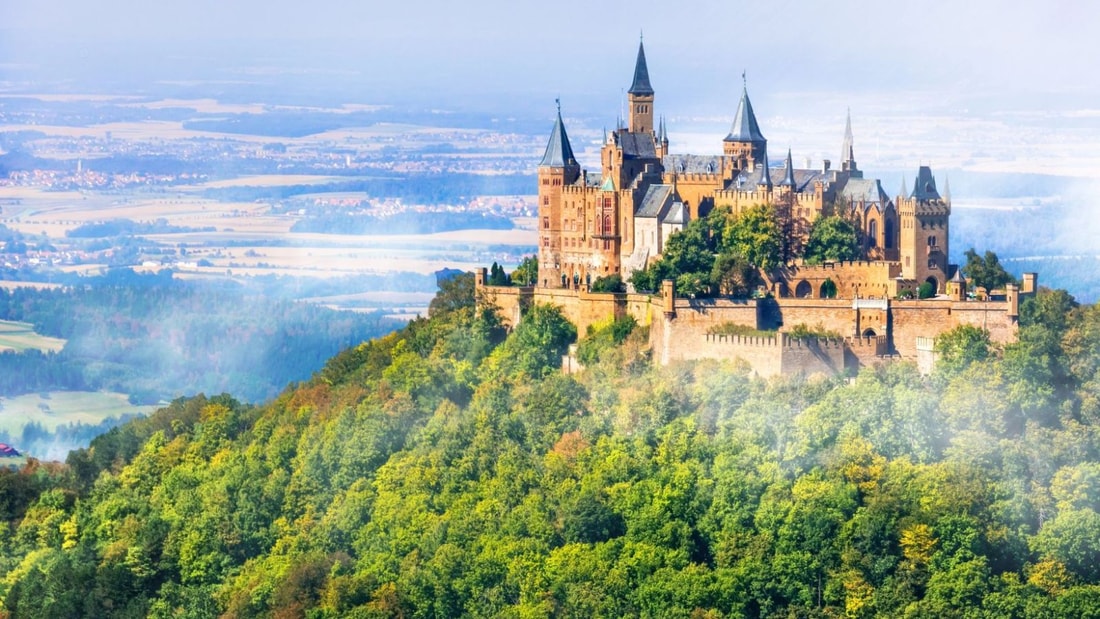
558,151
766,177
904,192
788,177
846,152
946,188
744,127
641,85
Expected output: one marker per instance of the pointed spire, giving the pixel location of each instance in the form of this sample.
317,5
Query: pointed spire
558,151
766,177
946,188
904,192
745,128
846,152
788,177
662,133
641,85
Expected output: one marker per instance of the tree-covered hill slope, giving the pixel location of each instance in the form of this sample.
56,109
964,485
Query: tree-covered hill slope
450,469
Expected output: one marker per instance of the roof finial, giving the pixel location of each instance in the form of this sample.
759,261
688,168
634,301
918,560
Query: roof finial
641,35
557,101
744,80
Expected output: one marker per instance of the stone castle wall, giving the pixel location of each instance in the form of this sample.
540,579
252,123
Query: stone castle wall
870,330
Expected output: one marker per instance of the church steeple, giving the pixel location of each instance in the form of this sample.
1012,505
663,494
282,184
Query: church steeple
640,96
559,153
847,153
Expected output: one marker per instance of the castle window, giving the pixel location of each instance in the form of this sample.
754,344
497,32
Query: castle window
872,232
546,200
888,232
546,241
545,223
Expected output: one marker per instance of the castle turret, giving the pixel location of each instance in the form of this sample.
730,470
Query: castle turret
557,169
641,96
924,226
745,143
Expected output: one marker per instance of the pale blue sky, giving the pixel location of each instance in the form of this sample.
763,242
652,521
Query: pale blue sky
509,47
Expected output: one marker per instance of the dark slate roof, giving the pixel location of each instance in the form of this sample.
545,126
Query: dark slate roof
866,190
655,200
788,175
745,127
924,188
692,164
803,179
637,145
558,151
641,85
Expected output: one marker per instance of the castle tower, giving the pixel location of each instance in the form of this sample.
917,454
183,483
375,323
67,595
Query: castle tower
640,97
744,144
847,152
662,140
557,169
924,217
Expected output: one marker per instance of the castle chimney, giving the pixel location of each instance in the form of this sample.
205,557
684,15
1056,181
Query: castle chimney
825,165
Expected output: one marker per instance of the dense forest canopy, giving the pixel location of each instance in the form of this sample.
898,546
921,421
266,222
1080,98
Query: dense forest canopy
450,469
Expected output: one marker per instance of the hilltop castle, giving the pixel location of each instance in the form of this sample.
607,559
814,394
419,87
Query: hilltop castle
618,220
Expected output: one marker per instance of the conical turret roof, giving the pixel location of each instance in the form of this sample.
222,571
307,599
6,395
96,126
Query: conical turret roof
745,128
641,85
558,151
765,177
788,177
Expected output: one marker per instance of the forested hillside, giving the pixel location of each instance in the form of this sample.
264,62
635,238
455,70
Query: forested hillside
449,469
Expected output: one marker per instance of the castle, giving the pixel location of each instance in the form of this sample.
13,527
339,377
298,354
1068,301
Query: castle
618,221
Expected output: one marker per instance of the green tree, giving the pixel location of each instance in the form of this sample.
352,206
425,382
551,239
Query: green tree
960,347
733,276
755,233
609,283
454,293
536,345
985,271
527,273
833,239
497,276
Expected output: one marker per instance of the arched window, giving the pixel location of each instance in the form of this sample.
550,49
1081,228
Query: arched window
803,289
872,233
888,233
607,224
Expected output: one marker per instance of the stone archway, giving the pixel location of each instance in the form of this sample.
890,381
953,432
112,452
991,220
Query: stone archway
934,283
869,333
803,290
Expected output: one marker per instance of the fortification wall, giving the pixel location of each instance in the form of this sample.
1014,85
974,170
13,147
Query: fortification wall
929,318
580,307
865,351
861,278
829,314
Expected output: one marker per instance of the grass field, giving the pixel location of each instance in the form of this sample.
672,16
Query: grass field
57,408
20,336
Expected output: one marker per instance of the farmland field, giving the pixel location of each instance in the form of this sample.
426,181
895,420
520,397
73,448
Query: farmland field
58,408
20,336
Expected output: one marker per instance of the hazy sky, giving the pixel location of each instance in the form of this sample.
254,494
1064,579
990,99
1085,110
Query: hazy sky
578,48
